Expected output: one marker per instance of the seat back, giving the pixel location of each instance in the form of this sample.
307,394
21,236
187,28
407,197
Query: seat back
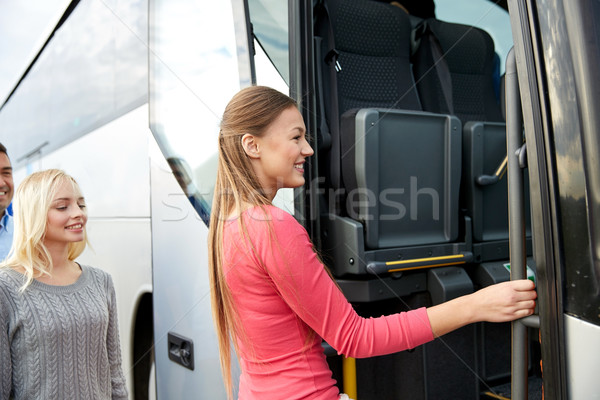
373,42
417,202
406,166
468,52
400,170
365,63
398,167
484,150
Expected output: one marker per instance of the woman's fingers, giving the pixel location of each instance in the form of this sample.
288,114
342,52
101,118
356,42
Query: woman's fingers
501,302
520,290
507,301
522,284
527,306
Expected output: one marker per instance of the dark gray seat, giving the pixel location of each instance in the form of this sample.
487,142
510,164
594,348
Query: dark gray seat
485,195
468,53
402,171
370,41
392,232
468,56
397,169
373,42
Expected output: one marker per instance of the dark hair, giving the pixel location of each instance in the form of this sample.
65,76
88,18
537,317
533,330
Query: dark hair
3,149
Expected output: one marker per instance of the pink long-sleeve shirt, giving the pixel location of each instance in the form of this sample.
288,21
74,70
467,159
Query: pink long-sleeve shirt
282,295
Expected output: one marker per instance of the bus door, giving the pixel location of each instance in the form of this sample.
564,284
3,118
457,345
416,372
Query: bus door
401,201
557,49
199,56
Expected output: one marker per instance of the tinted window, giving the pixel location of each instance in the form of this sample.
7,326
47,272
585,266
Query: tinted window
581,281
483,14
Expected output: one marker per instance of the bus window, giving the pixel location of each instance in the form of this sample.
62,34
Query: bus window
581,281
270,27
483,14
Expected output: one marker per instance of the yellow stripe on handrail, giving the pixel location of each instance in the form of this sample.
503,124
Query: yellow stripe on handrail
496,396
414,260
382,267
427,266
501,170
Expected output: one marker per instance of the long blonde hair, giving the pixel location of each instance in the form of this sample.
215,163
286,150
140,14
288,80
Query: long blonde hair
251,111
31,203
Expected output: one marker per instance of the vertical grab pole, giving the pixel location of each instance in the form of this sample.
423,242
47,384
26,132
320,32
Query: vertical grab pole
516,218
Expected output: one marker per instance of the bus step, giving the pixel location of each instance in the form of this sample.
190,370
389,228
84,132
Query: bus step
502,392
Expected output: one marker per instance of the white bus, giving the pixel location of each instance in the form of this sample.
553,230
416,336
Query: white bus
83,106
406,195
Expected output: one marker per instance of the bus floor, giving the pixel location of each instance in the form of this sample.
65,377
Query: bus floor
502,392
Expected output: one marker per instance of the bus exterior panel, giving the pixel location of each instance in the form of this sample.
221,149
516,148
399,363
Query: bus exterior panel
127,97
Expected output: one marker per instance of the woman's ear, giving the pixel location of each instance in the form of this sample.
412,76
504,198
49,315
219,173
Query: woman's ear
250,145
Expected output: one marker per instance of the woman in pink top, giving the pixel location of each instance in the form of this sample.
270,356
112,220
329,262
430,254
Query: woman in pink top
271,293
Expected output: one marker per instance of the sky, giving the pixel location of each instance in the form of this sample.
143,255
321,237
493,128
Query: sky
24,25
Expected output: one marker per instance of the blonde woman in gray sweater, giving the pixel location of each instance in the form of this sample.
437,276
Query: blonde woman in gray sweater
58,321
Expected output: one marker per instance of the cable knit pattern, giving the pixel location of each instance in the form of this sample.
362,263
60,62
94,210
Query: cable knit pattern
60,342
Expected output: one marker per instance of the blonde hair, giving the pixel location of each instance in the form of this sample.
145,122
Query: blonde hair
32,202
251,111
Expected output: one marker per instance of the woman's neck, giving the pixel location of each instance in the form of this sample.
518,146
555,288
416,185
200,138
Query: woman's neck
64,271
59,252
63,275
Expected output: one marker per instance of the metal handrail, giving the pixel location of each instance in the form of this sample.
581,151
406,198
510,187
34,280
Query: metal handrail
516,218
382,267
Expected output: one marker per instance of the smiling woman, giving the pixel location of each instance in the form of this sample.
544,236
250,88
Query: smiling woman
58,317
271,294
42,247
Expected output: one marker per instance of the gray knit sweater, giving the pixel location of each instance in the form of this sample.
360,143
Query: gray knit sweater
60,342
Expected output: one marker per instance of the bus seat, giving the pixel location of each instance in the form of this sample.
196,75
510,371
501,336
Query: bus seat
366,67
468,54
485,194
402,174
397,166
393,235
373,44
469,93
485,190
